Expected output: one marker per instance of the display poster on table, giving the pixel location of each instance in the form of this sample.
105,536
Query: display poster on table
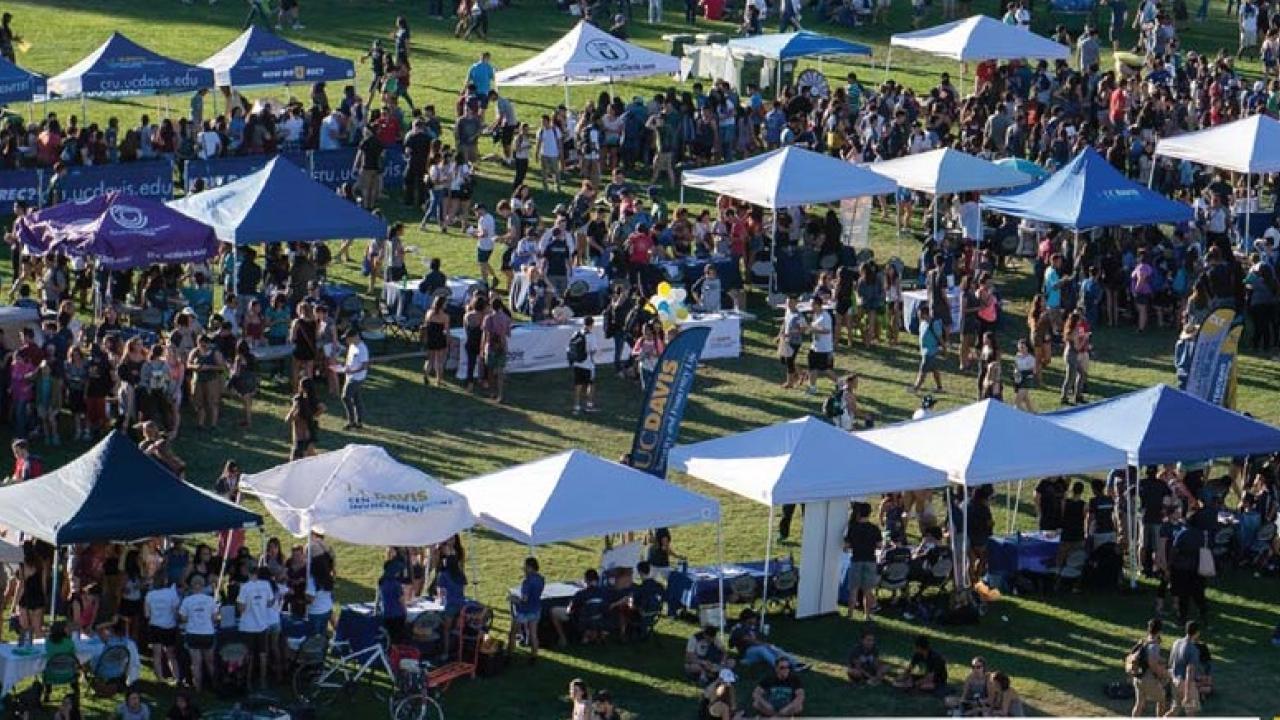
665,401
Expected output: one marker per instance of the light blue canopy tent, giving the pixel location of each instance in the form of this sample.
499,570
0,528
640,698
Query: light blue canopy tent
1089,193
18,85
795,45
121,67
260,57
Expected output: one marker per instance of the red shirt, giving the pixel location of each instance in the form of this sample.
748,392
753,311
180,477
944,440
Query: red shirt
641,247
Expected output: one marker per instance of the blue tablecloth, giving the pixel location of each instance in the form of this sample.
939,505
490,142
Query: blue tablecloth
698,585
335,295
1032,552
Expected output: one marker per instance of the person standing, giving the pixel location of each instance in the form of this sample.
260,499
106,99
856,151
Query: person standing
253,604
862,540
547,147
931,334
822,348
207,365
1184,663
655,12
161,609
582,359
527,609
197,611
368,169
486,232
356,369
495,337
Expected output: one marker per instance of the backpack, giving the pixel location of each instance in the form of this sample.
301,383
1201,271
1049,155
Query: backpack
833,406
1135,663
577,348
1186,546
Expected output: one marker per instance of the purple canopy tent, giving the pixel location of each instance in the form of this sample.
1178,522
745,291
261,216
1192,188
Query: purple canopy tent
119,231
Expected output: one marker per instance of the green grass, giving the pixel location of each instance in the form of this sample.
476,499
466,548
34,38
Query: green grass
1060,651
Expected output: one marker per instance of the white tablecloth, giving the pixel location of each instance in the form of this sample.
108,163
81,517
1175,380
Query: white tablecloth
458,289
13,319
912,298
412,610
551,591
15,668
544,347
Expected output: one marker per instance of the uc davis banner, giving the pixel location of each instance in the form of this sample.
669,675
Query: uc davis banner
1206,354
222,170
332,168
20,186
665,400
153,179
1224,375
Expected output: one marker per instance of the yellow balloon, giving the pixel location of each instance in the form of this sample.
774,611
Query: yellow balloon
664,288
682,313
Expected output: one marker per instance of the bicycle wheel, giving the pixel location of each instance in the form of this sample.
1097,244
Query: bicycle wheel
417,707
317,685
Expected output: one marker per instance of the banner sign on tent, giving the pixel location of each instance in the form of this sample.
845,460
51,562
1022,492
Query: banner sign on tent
665,400
152,179
332,168
222,170
20,186
1207,356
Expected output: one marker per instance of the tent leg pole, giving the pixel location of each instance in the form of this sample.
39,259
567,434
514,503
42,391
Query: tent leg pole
773,272
768,551
968,581
682,188
955,549
720,569
566,95
1131,489
224,562
1248,210
53,589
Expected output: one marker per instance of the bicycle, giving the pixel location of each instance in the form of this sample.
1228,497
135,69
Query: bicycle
420,701
319,683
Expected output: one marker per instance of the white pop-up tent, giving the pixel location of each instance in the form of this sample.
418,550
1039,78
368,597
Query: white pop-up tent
788,177
587,55
990,442
575,494
979,38
1250,146
804,461
361,495
946,171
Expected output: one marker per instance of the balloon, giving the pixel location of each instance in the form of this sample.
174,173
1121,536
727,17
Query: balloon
682,313
664,288
677,295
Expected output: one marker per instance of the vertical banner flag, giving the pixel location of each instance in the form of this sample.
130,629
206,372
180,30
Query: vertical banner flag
665,399
1206,354
1224,375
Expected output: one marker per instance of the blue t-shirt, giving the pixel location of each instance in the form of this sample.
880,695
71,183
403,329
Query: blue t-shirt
1052,293
531,592
391,595
481,75
930,338
454,592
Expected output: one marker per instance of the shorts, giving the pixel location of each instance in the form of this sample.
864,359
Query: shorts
550,164
527,618
862,576
300,447
495,360
843,306
255,641
928,363
1177,699
506,134
199,642
168,637
482,256
583,377
1141,300
819,360
1147,690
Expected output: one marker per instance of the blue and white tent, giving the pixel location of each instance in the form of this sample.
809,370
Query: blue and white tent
1089,193
279,203
260,57
121,67
1162,424
18,85
788,46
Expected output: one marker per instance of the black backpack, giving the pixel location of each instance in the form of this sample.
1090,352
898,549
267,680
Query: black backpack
1135,662
833,406
577,348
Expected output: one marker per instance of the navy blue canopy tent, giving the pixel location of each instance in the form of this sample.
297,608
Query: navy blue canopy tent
279,203
121,67
1162,424
1088,193
18,85
260,57
115,492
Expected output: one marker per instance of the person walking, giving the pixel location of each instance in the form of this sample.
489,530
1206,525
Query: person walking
1184,664
1146,666
356,369
931,333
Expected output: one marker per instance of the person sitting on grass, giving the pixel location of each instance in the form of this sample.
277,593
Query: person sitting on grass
719,701
975,693
745,638
865,665
779,694
1005,701
704,655
927,671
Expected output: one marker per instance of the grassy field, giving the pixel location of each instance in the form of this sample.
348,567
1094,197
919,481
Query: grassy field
1060,651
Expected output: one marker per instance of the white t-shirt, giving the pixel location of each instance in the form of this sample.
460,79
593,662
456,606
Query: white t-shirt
198,612
162,608
255,601
321,600
486,229
210,144
330,130
550,138
357,357
824,340
292,129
